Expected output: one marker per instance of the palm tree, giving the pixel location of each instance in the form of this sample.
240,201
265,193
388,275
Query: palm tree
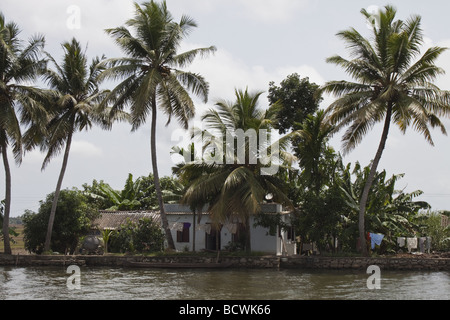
393,84
311,147
19,65
75,107
152,77
235,189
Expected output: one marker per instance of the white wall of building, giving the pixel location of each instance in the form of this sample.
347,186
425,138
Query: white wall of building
261,240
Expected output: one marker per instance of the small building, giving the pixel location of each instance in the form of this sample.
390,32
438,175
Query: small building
193,234
113,220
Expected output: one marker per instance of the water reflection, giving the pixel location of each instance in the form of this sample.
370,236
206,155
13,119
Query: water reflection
240,284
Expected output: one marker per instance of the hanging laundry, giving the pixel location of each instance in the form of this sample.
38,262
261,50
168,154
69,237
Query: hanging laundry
401,241
422,243
375,239
411,243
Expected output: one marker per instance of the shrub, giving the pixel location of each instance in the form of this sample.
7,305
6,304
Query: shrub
143,236
72,220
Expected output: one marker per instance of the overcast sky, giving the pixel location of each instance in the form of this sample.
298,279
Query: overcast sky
258,41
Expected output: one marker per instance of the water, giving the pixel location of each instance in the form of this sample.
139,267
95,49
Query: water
50,283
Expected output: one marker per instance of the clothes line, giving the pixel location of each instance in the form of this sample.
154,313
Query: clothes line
421,243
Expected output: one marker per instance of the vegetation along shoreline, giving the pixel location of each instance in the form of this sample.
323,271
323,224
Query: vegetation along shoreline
253,177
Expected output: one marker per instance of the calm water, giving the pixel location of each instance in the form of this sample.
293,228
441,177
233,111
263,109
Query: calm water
50,283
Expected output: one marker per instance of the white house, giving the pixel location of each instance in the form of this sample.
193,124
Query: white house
190,234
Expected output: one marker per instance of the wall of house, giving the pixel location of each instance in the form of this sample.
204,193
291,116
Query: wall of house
261,240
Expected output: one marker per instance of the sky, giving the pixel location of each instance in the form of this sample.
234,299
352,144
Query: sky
258,41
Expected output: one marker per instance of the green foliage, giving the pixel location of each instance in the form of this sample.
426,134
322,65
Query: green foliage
327,195
391,212
392,84
74,104
12,232
106,235
390,75
73,219
440,235
236,188
111,199
22,106
298,99
315,157
139,194
143,236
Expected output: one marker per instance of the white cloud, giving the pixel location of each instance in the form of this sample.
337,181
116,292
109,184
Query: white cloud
226,72
271,11
59,23
85,149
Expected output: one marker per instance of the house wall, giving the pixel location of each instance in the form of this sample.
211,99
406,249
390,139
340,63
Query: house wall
260,238
262,241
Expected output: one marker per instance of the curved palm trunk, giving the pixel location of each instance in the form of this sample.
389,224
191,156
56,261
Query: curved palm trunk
165,223
6,240
368,185
56,196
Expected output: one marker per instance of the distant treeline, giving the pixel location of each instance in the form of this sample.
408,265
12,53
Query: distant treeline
15,220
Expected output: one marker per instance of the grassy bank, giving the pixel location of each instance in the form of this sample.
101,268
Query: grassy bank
17,244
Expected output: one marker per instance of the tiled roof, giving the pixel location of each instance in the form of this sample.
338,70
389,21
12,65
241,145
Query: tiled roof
114,219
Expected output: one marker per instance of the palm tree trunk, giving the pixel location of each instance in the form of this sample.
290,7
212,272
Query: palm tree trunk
193,230
165,223
368,185
56,195
248,239
6,241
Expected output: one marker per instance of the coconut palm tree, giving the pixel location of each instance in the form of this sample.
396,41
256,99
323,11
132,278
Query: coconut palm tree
235,189
75,108
393,84
19,65
152,77
311,147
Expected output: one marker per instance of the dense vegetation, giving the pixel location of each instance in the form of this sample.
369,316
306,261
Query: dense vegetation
393,84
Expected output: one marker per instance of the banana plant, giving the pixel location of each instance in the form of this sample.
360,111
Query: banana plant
389,211
126,199
106,234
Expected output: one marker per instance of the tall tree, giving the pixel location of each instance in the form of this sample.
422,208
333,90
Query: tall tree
234,188
75,107
298,98
312,147
152,75
394,84
20,64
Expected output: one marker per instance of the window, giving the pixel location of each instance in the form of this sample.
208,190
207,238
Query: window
183,236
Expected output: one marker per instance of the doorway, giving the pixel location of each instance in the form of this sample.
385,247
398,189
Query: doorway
213,238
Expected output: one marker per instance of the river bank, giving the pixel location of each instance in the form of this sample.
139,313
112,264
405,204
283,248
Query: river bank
398,262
